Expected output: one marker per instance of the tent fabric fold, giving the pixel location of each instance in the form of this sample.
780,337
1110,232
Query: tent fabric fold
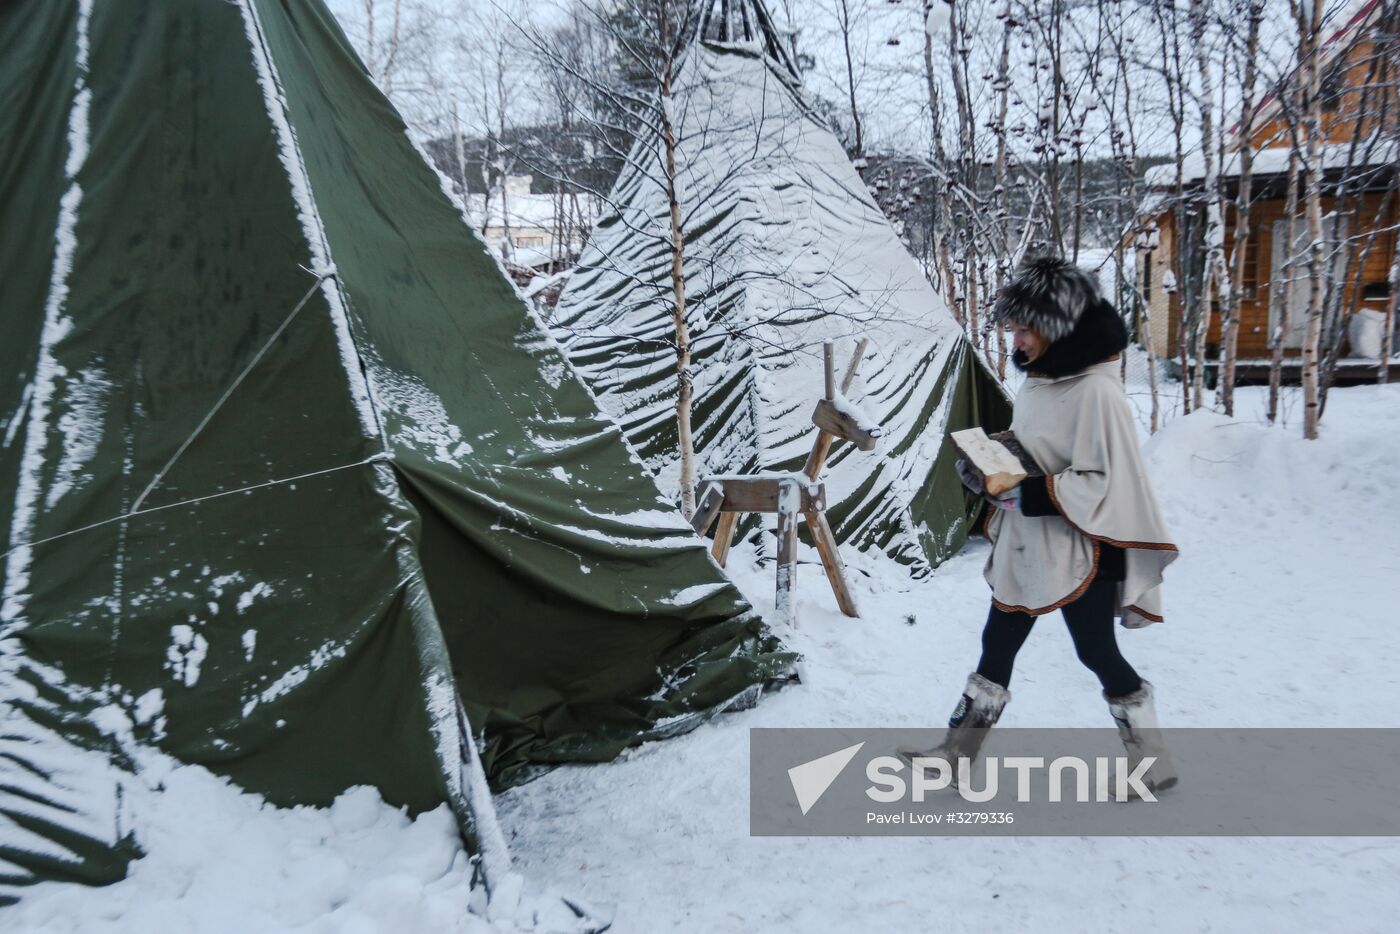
305,550
784,249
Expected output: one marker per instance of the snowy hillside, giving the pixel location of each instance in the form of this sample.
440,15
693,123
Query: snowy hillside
1288,553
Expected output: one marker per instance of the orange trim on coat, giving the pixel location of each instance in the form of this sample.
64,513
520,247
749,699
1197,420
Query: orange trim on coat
1143,613
1096,539
1148,546
1074,595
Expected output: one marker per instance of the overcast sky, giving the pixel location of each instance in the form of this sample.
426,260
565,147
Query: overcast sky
886,42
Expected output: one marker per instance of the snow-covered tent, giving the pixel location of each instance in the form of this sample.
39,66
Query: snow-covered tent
784,249
292,485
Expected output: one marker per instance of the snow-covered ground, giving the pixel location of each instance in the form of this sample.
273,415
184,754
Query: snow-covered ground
224,861
1278,613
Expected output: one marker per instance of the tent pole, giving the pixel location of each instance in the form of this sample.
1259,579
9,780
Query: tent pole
503,883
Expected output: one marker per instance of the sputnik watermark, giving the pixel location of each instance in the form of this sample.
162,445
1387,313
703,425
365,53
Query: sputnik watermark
810,780
1075,782
931,774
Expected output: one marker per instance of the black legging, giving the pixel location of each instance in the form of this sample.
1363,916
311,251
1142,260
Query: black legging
1090,622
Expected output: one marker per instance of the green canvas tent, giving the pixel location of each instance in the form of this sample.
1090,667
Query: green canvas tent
784,249
292,485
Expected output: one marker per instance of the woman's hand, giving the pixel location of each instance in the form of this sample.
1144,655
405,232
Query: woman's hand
967,476
1010,501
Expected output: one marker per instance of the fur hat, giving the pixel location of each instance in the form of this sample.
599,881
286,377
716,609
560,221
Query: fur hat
1048,294
1098,334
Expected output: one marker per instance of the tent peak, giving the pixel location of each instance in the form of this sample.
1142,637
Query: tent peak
746,23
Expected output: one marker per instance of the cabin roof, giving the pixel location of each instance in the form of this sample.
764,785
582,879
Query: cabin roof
1367,153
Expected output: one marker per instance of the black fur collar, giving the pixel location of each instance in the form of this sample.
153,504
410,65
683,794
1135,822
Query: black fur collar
1098,335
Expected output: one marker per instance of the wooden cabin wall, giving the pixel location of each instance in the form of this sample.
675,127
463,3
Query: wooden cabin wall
1150,268
1349,113
1349,109
1254,309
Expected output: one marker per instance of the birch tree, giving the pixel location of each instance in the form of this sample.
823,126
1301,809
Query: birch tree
1253,11
1388,328
681,145
1307,16
1175,279
1370,111
685,391
647,38
1114,95
935,21
1216,280
1290,214
845,13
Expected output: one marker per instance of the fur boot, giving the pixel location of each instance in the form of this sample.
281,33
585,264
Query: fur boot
978,710
1137,725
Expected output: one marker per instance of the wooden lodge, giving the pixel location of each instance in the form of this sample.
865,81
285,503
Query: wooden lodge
1360,204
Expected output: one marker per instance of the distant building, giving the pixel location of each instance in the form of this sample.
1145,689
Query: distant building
1359,201
543,231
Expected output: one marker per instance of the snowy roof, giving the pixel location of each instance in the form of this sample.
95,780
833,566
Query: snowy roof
531,256
1153,201
1274,161
526,209
521,210
1099,263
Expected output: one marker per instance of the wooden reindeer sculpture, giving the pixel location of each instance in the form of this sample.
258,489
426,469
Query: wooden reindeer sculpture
788,495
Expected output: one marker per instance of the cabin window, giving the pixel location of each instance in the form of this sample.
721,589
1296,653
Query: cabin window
1332,85
1249,278
1375,291
1147,276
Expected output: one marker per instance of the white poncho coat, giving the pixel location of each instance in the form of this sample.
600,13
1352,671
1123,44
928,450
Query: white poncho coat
1080,431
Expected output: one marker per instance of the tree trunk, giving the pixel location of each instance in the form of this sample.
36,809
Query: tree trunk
1280,331
507,246
966,175
1000,197
844,12
1128,159
1230,337
1309,24
1057,12
1176,105
1388,334
684,387
1349,197
459,140
944,263
1216,273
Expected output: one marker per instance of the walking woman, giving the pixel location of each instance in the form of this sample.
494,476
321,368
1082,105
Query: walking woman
1087,538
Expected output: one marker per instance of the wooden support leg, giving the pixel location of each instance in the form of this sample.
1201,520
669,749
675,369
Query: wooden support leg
831,560
785,606
817,459
724,535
